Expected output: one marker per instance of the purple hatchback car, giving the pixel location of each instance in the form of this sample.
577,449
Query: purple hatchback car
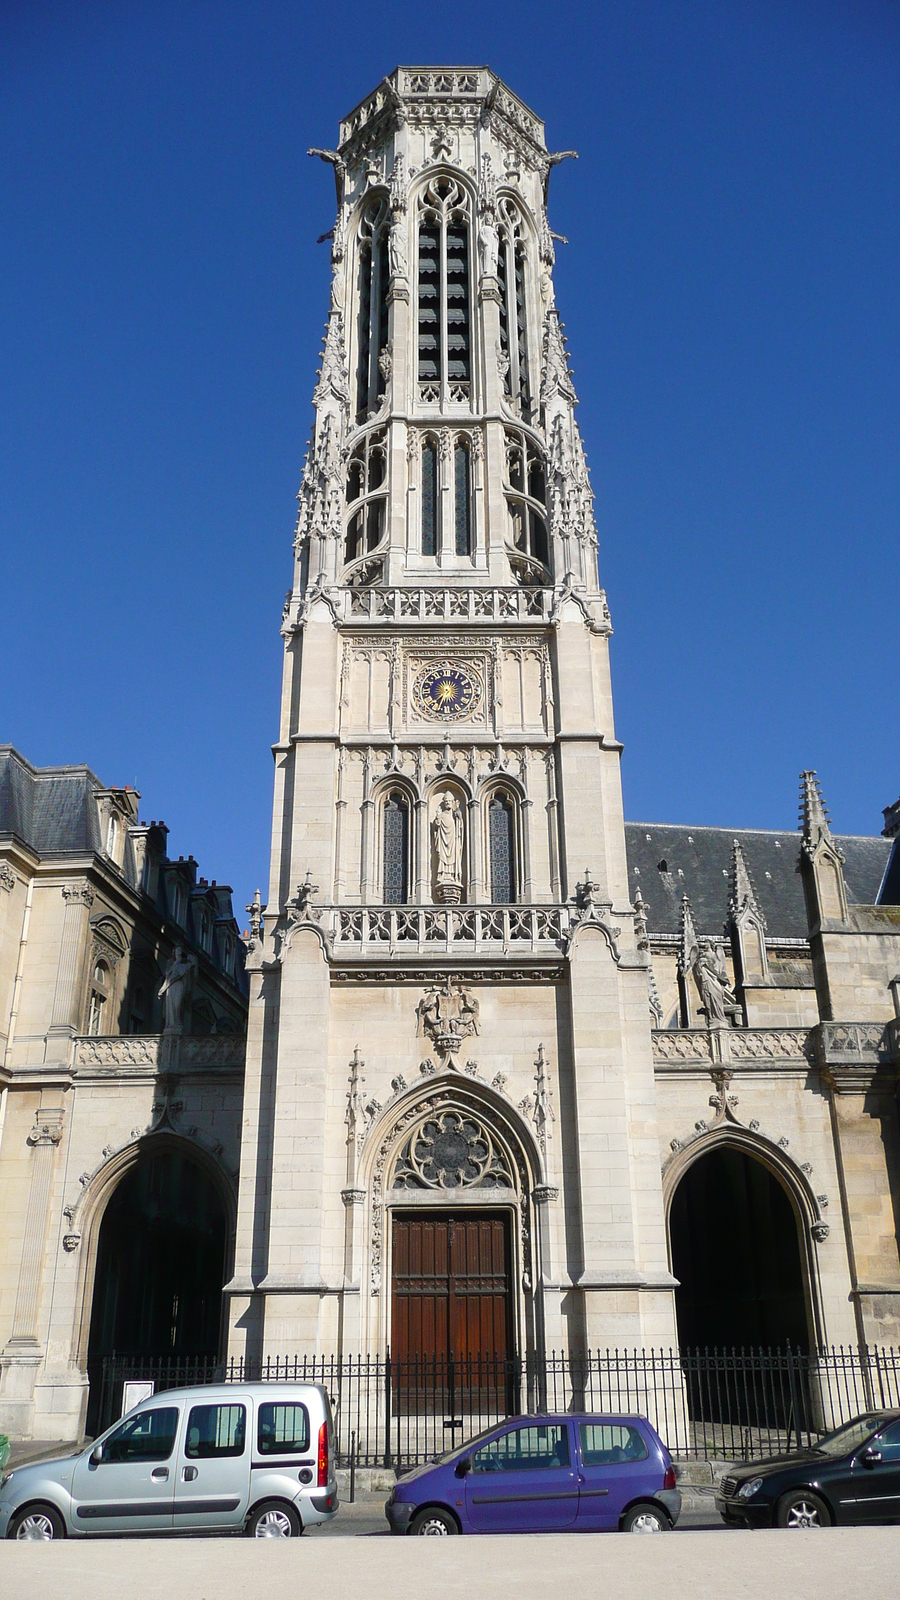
544,1475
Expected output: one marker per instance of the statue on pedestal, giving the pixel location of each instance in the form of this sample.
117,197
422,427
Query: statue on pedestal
447,833
175,988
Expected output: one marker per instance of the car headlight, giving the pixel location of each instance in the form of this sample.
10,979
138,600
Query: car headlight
749,1489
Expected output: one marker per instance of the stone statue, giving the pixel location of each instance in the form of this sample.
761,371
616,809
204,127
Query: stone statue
447,1016
489,245
397,248
447,833
719,999
175,988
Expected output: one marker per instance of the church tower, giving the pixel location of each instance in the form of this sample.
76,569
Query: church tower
450,1135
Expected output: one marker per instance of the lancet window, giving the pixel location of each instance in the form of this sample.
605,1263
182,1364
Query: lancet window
502,848
372,308
395,849
430,497
366,497
462,498
526,495
511,270
444,294
447,520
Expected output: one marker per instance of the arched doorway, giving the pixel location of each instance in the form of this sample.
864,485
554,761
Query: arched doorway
736,1254
160,1267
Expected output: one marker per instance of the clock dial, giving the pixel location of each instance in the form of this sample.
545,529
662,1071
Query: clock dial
446,692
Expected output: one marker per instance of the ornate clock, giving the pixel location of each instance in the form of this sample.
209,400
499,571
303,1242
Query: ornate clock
446,691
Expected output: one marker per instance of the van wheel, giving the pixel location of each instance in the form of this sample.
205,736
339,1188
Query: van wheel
645,1518
37,1522
274,1520
434,1523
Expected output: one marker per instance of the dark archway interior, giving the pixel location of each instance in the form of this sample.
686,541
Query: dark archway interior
160,1266
736,1255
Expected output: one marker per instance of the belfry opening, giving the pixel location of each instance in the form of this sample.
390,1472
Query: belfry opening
736,1254
160,1268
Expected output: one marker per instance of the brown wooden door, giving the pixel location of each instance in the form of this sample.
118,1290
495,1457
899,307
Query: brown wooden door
450,1286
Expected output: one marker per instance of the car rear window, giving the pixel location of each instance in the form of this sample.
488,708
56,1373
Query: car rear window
215,1431
282,1428
605,1443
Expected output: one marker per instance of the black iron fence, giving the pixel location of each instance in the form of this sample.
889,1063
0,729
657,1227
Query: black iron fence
724,1404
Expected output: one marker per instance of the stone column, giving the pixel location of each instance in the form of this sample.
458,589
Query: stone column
79,898
23,1352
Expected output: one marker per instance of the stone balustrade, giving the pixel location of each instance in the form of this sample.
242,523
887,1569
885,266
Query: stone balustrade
158,1050
408,930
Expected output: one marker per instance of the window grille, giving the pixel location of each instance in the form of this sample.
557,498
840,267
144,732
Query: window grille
396,850
501,817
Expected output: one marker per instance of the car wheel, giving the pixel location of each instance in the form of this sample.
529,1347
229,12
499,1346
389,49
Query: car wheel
803,1509
37,1522
434,1523
274,1520
645,1518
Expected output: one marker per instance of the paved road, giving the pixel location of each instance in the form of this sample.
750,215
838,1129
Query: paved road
837,1564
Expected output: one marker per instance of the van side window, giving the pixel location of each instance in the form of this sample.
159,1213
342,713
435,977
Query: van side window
282,1429
147,1437
604,1443
215,1431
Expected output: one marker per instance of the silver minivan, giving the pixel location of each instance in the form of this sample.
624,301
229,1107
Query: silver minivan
257,1457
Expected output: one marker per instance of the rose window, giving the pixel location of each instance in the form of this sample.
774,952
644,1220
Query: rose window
451,1151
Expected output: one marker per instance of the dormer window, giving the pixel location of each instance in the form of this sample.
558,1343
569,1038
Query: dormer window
112,837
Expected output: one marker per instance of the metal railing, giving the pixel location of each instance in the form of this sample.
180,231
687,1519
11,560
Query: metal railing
719,1404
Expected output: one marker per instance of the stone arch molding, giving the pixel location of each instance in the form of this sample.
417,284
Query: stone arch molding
85,1215
726,1129
504,1161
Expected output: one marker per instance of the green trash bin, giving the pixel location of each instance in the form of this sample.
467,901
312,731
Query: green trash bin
4,1450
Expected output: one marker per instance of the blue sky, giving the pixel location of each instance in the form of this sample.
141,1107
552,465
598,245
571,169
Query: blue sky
730,292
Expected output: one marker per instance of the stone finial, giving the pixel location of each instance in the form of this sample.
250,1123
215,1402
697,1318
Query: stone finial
814,821
689,944
742,894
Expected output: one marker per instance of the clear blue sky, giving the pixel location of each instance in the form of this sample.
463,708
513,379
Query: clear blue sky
732,300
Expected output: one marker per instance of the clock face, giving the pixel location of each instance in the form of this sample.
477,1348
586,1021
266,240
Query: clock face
445,691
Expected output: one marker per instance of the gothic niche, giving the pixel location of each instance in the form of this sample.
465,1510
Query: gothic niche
451,1151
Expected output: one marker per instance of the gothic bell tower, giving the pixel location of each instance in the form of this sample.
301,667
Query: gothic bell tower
449,1060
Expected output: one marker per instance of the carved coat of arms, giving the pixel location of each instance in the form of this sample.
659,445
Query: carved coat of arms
447,1015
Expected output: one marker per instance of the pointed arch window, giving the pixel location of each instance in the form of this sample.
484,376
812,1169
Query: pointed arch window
99,997
366,486
462,498
371,306
395,849
430,498
501,848
511,274
444,314
526,497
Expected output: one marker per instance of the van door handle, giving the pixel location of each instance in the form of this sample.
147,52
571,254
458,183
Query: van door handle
159,1474
188,1474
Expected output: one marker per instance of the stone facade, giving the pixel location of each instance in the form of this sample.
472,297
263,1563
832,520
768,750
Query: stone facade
91,912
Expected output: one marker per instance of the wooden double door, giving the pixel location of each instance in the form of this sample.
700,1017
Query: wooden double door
451,1290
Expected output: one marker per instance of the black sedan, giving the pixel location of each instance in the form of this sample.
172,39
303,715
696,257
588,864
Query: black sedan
851,1475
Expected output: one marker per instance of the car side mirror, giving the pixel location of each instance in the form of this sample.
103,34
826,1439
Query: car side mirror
463,1467
870,1456
96,1455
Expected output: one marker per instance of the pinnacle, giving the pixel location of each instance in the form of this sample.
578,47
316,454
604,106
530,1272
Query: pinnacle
742,895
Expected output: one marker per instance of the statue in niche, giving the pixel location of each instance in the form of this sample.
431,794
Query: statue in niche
447,834
719,999
488,245
397,247
175,988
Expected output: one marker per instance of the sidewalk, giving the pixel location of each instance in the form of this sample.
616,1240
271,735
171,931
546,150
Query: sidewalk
840,1564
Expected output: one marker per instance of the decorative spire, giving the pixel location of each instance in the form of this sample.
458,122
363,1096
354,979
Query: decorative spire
742,895
814,823
689,944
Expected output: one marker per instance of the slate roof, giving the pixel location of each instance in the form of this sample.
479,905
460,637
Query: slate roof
51,809
698,863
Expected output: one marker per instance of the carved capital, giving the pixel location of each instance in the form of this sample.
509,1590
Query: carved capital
78,894
353,1197
48,1128
544,1193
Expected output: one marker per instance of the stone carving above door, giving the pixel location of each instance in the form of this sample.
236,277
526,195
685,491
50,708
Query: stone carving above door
447,1016
451,1150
